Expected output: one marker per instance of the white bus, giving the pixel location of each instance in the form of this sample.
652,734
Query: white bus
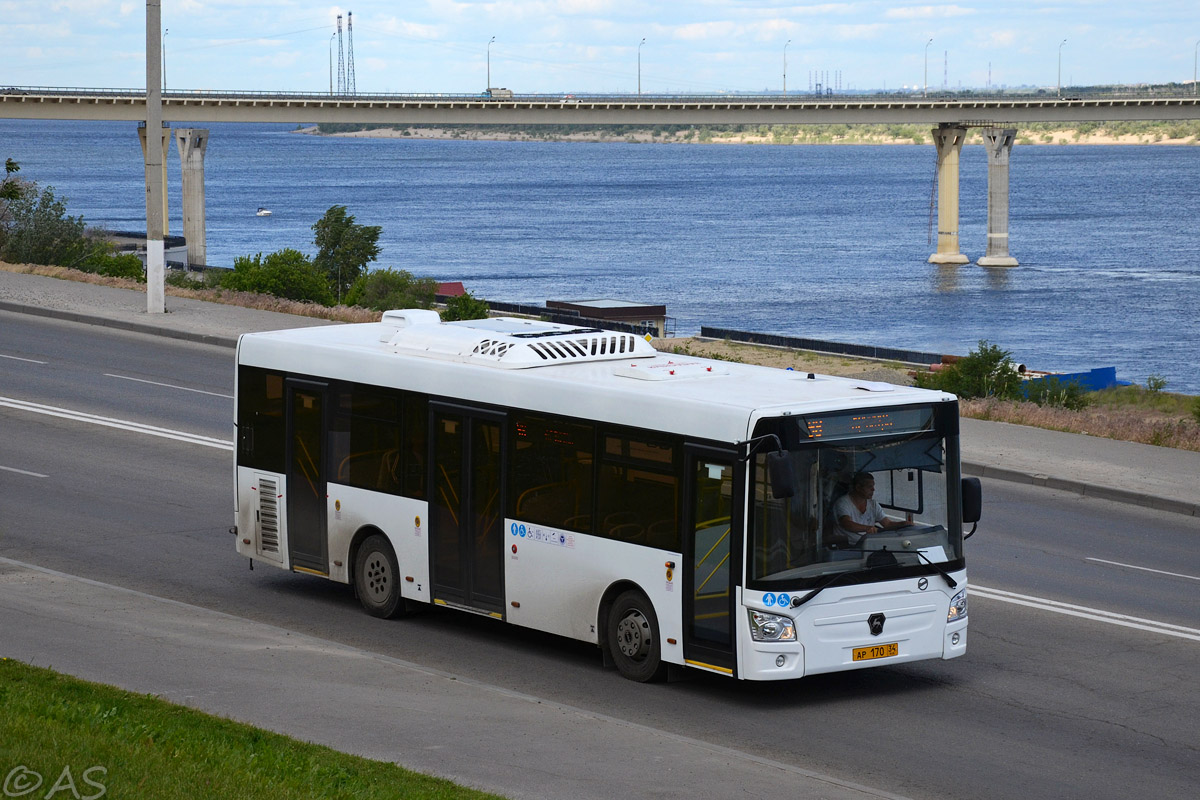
671,510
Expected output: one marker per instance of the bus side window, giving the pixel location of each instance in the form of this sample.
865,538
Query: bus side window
638,494
551,472
261,436
415,445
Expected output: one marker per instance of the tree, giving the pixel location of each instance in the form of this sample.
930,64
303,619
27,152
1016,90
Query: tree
285,273
36,228
385,289
344,248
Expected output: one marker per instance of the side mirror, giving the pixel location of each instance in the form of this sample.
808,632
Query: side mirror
972,502
783,479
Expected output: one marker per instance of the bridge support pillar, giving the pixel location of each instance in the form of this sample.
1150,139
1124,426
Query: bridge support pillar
999,143
191,144
949,141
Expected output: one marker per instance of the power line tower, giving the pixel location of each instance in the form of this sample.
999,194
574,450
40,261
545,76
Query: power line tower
350,53
341,60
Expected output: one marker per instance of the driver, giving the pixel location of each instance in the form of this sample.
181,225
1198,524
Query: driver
858,514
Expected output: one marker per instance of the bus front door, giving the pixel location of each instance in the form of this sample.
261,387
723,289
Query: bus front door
710,553
466,509
306,537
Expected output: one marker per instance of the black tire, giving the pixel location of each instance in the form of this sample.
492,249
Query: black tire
633,640
377,578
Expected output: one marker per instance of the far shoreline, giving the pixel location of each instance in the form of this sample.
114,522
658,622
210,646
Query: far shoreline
1066,136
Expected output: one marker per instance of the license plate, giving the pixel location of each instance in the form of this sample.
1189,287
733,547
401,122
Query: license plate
876,651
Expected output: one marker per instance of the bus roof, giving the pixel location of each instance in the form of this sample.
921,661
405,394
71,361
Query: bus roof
564,370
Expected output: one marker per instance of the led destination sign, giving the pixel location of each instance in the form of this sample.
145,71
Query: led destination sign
867,423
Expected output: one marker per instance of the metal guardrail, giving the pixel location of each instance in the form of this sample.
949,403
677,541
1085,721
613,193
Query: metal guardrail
842,97
821,346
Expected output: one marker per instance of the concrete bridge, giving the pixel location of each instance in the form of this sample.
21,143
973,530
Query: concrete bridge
951,116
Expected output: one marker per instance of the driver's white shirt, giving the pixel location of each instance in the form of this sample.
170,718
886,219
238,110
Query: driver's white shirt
844,507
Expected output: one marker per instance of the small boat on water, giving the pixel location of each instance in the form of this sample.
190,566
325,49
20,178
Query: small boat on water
263,212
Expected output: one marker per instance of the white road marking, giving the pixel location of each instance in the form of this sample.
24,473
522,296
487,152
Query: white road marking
167,385
24,472
1099,615
1146,569
120,424
30,360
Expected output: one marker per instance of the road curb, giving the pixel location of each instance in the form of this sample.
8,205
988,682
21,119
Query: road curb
1086,489
125,325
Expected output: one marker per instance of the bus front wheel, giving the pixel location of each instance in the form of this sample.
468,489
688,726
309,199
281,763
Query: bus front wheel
633,638
377,578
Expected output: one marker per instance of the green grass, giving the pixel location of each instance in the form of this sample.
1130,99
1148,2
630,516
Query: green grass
158,751
1139,397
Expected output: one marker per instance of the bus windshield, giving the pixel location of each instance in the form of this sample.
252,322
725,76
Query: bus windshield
843,466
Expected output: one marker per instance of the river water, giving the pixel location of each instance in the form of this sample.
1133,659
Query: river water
828,242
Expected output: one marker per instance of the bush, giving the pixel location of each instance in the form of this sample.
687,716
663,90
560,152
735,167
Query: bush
1196,409
286,273
118,265
1058,394
1156,383
465,306
986,372
386,289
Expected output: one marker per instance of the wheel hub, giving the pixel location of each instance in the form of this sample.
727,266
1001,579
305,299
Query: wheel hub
633,636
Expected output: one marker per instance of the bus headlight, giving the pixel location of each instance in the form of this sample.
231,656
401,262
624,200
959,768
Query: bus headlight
958,607
771,627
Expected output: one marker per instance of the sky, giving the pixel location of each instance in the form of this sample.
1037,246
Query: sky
593,46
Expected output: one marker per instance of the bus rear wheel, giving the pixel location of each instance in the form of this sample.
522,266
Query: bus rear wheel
377,578
633,639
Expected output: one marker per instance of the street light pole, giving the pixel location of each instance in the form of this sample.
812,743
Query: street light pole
164,54
642,42
785,46
1195,57
925,87
1060,47
489,66
332,36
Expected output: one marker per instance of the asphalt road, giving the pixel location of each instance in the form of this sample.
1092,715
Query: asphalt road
1045,704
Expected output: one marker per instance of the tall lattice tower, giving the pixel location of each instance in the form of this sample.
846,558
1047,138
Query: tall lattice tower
341,60
350,52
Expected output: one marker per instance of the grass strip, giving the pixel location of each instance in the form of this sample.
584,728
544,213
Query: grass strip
87,740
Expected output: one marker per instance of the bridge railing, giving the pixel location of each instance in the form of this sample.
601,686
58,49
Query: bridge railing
1072,94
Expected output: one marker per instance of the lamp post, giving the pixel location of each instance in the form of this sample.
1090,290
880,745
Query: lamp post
925,87
642,42
785,46
489,66
164,54
1195,57
1060,47
332,36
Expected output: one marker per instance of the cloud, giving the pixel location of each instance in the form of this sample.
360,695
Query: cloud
928,12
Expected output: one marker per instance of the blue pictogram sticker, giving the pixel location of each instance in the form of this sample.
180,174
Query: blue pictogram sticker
768,599
562,539
522,531
513,528
784,600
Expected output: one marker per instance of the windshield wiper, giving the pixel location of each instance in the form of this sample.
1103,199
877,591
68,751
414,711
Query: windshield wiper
877,558
889,561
